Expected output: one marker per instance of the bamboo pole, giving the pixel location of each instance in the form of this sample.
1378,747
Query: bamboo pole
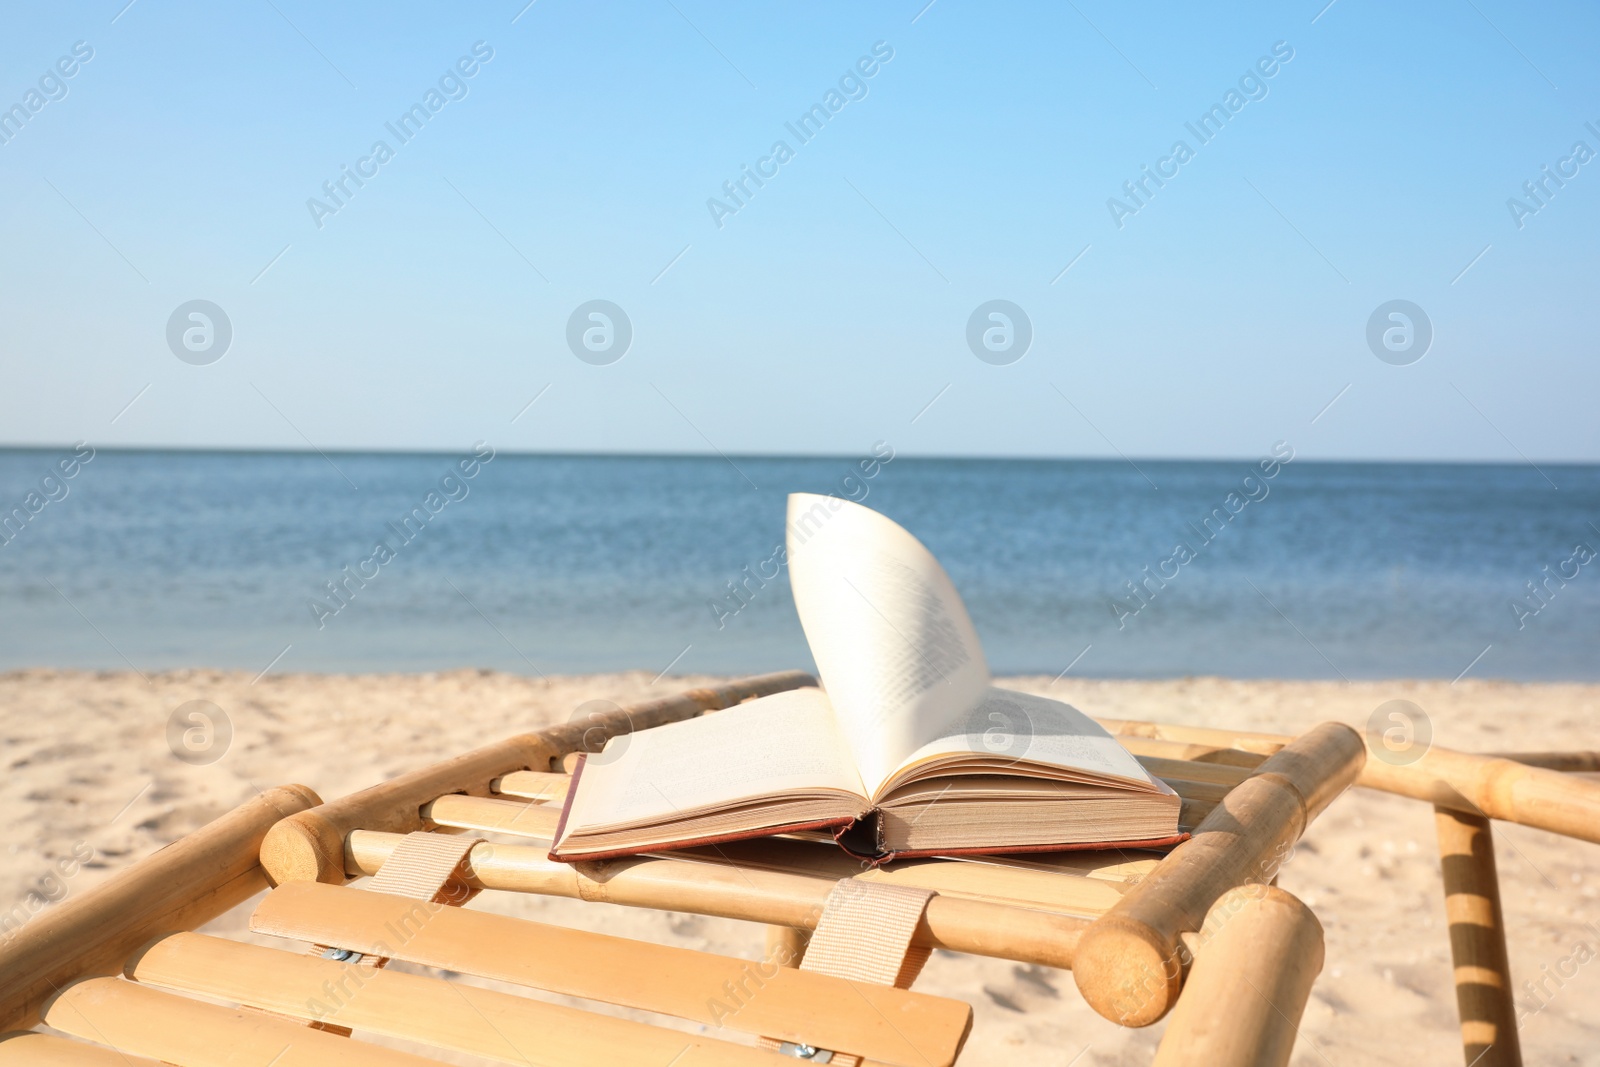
1010,929
1496,788
1484,993
1129,963
1257,956
1565,762
310,845
189,882
1529,788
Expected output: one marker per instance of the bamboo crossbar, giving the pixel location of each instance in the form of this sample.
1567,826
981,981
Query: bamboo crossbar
310,845
517,818
1529,788
889,1025
1129,965
431,1011
544,786
190,882
1013,929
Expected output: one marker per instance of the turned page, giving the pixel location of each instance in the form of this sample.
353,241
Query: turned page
894,647
1007,728
780,743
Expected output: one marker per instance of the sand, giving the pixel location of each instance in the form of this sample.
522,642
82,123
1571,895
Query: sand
88,766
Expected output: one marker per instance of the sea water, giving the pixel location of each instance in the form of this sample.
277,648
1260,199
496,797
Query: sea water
562,564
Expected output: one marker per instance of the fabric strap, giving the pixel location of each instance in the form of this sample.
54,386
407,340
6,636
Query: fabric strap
427,866
864,935
423,866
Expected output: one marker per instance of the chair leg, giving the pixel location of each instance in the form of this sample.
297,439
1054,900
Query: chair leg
1477,940
1254,962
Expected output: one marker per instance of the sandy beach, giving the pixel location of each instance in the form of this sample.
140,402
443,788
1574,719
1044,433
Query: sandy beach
88,767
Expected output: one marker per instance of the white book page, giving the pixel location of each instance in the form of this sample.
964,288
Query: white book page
894,646
786,741
1011,727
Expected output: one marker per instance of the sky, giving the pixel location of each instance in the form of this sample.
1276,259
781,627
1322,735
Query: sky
573,153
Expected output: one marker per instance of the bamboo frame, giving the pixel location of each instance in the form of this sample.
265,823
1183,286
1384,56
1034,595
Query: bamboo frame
1528,788
188,883
310,845
1129,964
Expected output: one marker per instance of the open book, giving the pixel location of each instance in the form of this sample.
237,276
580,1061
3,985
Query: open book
907,750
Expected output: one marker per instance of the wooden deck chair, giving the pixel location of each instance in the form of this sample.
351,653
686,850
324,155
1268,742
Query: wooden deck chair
1139,929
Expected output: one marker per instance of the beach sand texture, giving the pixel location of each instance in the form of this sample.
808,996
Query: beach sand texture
87,765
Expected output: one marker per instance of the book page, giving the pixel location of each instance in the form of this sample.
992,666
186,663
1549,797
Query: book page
1009,730
894,646
787,741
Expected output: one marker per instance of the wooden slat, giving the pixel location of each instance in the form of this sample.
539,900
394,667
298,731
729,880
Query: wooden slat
516,817
1190,750
884,1024
189,882
1198,792
1193,813
431,1011
976,916
45,1050
543,786
1191,770
190,1033
310,845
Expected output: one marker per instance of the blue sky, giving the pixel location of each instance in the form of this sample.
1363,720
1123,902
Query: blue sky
831,309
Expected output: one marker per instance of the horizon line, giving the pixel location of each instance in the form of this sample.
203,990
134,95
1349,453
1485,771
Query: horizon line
716,456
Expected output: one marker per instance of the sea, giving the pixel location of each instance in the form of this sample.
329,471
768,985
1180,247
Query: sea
1271,567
